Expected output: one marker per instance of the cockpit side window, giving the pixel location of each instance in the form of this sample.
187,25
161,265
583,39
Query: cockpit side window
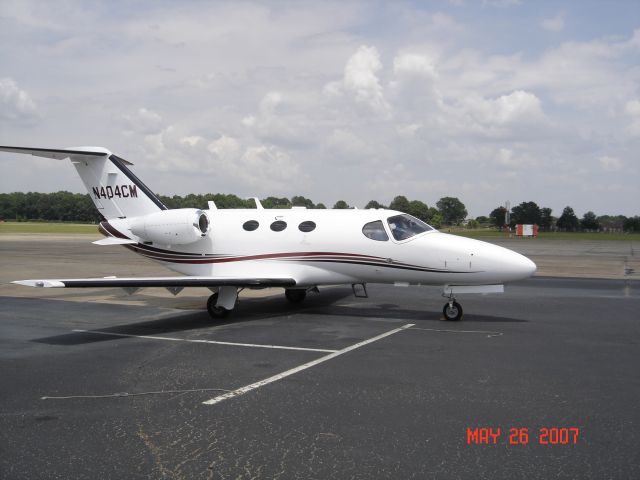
405,226
375,231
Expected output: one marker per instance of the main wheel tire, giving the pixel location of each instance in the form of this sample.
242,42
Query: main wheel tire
452,312
295,295
215,311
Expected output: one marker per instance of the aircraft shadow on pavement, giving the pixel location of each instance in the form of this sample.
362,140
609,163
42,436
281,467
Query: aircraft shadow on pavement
394,312
253,309
249,309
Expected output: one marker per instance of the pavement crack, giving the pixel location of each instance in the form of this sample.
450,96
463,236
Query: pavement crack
156,454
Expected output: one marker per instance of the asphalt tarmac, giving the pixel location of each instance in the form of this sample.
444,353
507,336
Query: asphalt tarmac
109,386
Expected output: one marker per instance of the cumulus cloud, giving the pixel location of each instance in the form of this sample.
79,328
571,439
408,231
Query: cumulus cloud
596,73
610,164
501,3
584,74
499,117
414,64
15,104
518,106
507,157
632,108
265,168
361,81
408,130
318,91
268,168
348,144
279,120
414,87
553,24
191,141
225,148
142,121
270,103
444,22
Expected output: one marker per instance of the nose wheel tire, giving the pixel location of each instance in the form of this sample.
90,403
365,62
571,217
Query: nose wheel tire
452,312
295,295
214,311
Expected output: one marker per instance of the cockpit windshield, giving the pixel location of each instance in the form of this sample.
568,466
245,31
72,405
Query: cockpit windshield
405,226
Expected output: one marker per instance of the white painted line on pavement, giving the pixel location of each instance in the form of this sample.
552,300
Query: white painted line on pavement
215,342
489,333
279,376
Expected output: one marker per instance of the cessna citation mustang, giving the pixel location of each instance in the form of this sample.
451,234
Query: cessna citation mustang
295,249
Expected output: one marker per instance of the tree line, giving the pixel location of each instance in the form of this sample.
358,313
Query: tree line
568,221
58,206
76,207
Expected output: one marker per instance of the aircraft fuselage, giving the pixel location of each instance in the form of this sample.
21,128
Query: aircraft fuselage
335,251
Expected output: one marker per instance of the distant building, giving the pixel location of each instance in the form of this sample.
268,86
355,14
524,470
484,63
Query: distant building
611,224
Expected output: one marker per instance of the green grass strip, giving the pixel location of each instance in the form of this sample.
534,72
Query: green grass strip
46,227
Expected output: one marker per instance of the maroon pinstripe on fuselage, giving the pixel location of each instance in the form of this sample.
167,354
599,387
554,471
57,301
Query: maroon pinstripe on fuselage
171,256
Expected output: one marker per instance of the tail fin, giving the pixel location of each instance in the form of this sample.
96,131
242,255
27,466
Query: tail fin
115,190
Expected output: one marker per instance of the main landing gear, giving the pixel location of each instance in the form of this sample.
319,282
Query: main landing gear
220,304
222,301
295,295
214,310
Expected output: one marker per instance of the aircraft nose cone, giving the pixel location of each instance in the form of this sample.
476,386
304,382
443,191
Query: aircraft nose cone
528,267
520,266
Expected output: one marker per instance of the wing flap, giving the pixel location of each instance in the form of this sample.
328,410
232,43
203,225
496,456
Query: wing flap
174,282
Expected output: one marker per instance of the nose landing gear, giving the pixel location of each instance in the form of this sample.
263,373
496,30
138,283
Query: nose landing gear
452,310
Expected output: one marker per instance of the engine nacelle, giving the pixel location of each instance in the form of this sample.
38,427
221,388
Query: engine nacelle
172,227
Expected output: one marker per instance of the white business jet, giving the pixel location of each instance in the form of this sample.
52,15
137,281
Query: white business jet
297,249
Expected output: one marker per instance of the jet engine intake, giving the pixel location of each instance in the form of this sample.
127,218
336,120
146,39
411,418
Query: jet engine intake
172,227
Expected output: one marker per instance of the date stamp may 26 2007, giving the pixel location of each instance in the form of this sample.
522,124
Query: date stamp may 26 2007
523,436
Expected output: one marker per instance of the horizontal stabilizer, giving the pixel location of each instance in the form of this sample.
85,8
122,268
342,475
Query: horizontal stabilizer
165,282
114,241
58,154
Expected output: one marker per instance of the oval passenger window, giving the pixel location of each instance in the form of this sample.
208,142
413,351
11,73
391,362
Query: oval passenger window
250,225
307,226
375,231
278,226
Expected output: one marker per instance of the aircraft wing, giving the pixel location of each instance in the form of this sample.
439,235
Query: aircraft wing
166,282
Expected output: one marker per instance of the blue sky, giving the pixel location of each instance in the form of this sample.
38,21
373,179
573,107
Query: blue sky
487,101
